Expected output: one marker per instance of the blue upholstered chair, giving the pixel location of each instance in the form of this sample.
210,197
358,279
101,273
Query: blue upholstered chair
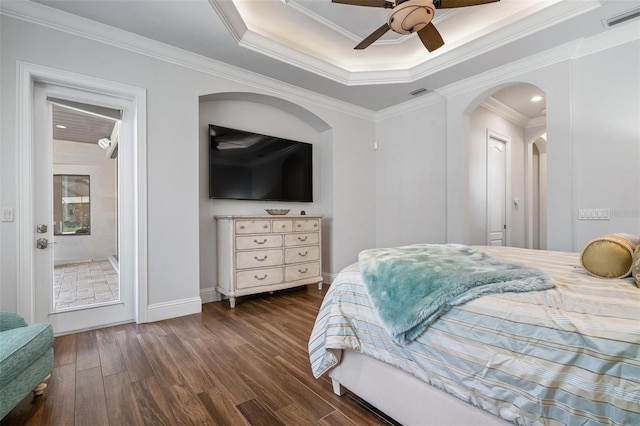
26,359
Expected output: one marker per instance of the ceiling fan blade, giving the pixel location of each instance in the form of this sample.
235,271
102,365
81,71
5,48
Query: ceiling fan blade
448,4
370,3
373,37
431,37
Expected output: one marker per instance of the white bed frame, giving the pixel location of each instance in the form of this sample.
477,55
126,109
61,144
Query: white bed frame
403,397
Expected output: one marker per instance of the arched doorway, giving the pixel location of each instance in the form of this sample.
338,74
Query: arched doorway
517,113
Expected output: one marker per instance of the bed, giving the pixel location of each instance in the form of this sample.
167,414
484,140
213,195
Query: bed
566,355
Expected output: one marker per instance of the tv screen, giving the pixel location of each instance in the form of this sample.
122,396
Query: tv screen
250,166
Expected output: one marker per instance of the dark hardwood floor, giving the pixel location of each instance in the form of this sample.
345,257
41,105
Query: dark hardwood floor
247,365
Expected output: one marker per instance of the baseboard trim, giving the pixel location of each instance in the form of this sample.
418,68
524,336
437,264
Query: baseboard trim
176,308
209,295
328,278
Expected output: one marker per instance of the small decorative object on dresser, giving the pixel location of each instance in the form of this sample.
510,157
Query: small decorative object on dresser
258,254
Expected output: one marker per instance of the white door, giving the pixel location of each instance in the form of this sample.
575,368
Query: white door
74,317
497,183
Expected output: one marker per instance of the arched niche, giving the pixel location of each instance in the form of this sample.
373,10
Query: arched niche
269,115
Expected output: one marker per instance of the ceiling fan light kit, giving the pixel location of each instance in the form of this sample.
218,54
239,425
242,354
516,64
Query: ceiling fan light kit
411,16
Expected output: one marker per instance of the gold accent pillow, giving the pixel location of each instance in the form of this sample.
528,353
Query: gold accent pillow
609,256
635,266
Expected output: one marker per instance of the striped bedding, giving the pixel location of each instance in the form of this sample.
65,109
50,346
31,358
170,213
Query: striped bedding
569,355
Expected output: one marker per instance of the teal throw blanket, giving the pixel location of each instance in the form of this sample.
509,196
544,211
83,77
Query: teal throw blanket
411,286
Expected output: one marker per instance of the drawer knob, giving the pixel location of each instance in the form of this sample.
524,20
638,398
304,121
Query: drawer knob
265,226
315,225
303,271
260,278
303,254
299,226
260,242
302,238
260,260
241,226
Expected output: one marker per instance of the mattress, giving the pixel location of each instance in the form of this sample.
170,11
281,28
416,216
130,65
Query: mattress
569,355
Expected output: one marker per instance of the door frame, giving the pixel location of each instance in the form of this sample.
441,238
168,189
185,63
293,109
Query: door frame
28,75
492,134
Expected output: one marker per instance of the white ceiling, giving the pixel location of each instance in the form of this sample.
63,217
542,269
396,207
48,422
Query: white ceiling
309,43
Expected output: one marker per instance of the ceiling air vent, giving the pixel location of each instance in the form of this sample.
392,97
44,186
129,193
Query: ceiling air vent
420,91
624,17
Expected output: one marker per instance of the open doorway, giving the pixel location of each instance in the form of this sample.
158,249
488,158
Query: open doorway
85,205
516,112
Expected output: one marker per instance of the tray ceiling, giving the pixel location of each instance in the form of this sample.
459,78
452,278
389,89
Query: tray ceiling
309,43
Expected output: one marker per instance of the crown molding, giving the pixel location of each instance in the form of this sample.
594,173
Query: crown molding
422,101
538,121
578,48
615,36
38,14
504,111
542,18
512,70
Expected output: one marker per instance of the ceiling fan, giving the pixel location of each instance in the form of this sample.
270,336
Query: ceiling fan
410,16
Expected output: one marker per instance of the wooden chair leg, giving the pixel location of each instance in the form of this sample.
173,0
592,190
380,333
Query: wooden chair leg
39,390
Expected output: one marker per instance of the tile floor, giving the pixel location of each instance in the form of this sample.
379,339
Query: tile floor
80,284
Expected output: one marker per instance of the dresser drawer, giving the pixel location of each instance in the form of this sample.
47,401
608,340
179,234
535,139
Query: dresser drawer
258,277
306,225
301,271
301,254
258,258
253,226
282,226
258,241
300,239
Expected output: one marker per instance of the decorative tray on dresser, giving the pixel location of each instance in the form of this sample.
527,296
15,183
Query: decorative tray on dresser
259,254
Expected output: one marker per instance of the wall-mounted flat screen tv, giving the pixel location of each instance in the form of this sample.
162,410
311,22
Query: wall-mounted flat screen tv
250,166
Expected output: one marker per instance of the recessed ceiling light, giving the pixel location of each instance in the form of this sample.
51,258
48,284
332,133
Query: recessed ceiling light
536,98
61,126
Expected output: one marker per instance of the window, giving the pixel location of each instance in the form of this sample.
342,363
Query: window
71,205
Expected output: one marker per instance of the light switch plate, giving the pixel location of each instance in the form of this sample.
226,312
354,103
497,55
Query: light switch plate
7,214
594,214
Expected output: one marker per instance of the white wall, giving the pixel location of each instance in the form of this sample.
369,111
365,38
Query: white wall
376,198
592,152
411,176
174,150
89,159
606,101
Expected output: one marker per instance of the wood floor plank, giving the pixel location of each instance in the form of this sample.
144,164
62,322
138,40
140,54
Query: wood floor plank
60,396
160,362
247,365
298,391
133,355
90,405
87,352
122,408
191,370
152,403
258,414
111,359
294,415
187,407
64,348
221,408
234,388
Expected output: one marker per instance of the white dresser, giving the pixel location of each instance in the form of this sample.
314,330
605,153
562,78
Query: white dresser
258,254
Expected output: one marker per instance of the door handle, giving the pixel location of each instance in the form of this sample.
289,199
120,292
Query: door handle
43,243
